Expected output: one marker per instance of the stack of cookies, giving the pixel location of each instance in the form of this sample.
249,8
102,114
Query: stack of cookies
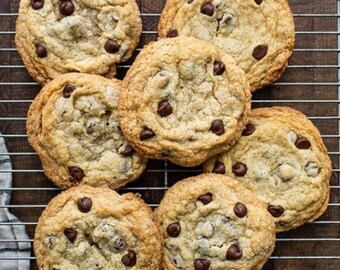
187,99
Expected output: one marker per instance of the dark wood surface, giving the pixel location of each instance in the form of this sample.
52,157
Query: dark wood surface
290,88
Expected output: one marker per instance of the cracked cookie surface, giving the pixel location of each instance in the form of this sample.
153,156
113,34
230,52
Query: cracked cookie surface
184,100
281,158
212,221
73,126
96,228
260,35
55,37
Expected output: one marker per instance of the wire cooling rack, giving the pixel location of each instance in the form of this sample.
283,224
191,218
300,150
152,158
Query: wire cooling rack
310,84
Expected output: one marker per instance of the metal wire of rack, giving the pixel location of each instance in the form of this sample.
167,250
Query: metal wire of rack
310,84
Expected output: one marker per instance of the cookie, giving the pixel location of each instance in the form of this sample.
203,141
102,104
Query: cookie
184,100
73,126
96,228
56,37
212,221
282,159
259,34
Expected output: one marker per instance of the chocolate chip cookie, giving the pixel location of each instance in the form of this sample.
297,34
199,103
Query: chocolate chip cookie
73,126
259,34
184,100
55,37
212,221
96,228
282,159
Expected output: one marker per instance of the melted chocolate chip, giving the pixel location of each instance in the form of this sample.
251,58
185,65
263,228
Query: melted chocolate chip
260,52
41,50
275,210
302,143
190,1
259,2
172,33
217,127
76,173
219,167
164,108
201,264
112,46
129,259
250,129
206,198
234,252
239,169
68,90
37,4
71,234
208,9
128,151
240,210
173,229
146,134
66,7
219,68
84,204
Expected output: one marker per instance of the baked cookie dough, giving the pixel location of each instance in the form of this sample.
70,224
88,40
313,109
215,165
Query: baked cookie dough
184,100
96,228
55,37
73,126
259,34
282,159
212,221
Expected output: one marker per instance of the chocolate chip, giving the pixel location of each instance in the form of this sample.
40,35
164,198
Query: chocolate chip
208,9
201,264
129,259
219,68
206,198
119,244
76,173
190,1
66,7
172,33
37,4
164,108
41,50
250,128
173,229
217,127
234,252
228,20
275,210
260,52
239,169
84,204
71,234
128,151
282,223
259,2
146,134
112,46
240,210
219,167
302,143
68,90
225,220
